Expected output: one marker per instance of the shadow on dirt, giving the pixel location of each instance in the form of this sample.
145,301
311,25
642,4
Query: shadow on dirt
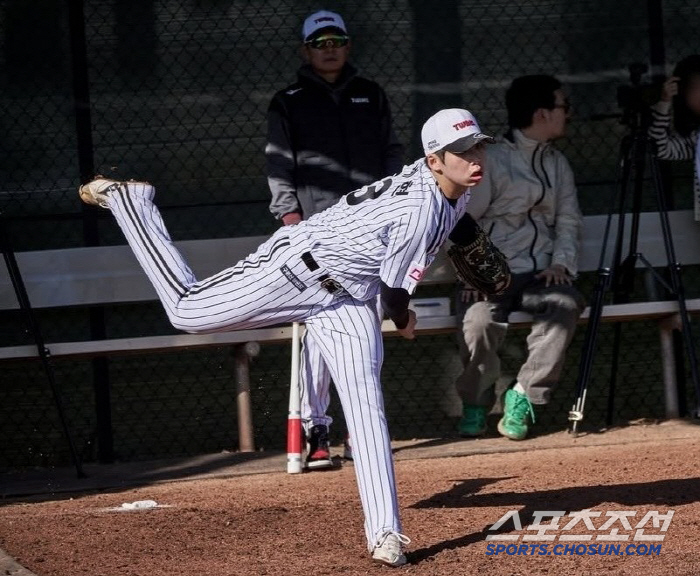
466,494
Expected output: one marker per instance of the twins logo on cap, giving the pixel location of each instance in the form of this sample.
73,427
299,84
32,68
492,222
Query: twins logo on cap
453,129
320,20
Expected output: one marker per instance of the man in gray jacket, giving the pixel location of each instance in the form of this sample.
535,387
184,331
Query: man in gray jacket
329,133
527,203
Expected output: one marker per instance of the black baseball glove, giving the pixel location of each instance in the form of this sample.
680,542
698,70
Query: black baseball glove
479,263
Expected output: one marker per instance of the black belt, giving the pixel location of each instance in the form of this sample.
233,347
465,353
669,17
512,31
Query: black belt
327,283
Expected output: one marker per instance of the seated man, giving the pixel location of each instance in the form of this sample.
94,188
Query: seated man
527,203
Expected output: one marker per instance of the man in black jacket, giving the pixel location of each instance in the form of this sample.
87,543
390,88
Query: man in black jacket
328,133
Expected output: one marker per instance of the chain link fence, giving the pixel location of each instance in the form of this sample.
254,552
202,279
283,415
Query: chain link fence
176,92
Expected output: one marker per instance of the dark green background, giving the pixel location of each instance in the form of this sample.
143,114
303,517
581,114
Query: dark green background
178,91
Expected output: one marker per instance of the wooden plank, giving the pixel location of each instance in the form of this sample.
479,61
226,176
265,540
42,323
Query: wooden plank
111,274
174,342
623,312
143,344
426,325
686,238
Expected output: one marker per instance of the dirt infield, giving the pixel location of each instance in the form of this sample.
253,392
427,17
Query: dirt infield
274,524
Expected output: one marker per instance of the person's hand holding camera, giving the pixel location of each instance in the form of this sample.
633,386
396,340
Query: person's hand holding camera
670,89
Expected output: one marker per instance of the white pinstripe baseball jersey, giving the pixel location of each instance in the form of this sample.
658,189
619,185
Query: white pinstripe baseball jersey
389,231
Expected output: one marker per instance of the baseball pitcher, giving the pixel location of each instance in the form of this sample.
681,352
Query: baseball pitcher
327,271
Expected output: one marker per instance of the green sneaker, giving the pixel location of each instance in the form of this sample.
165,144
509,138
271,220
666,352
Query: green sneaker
518,411
473,422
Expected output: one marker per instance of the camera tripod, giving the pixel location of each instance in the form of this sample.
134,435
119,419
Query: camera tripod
33,327
636,153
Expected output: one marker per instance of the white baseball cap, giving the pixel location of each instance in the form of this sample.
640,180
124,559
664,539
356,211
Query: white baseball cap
453,129
320,20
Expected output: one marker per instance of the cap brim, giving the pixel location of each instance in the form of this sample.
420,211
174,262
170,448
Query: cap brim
464,144
325,30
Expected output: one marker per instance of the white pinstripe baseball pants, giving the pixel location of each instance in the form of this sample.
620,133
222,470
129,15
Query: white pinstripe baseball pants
315,384
273,286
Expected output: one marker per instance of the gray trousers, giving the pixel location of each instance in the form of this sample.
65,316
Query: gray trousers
555,311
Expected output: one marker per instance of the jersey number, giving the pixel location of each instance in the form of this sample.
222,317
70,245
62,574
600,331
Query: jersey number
369,192
403,189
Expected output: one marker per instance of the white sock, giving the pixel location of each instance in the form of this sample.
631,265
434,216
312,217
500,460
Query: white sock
519,388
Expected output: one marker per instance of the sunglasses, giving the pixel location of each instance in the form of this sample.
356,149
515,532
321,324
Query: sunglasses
328,42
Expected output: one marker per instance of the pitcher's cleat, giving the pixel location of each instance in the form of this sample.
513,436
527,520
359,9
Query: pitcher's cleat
389,550
97,192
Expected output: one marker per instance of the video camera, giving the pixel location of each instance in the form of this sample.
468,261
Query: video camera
635,98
